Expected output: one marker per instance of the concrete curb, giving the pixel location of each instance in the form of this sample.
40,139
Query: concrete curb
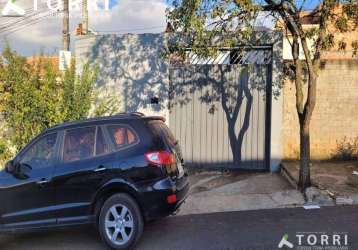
288,176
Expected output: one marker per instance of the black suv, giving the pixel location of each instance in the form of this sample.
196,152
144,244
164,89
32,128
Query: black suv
115,172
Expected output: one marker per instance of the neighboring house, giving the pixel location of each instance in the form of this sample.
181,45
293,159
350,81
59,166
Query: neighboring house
243,132
36,59
342,48
334,122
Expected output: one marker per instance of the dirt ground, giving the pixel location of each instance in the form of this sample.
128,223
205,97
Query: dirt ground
336,177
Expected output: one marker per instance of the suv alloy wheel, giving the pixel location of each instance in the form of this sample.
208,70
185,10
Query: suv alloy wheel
120,222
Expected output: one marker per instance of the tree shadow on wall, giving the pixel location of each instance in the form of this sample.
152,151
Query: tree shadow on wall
132,66
229,87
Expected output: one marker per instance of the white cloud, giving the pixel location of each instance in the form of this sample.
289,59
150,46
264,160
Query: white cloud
128,16
132,16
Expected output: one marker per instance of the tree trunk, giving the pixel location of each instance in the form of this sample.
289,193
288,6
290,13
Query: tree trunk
234,145
291,16
304,112
304,174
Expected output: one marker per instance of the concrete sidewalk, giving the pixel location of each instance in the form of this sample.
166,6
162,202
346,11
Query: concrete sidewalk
235,191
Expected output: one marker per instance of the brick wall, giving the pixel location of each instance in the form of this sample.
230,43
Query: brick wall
335,115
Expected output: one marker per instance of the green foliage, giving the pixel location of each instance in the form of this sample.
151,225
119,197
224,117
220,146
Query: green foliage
78,94
342,24
347,149
328,42
203,21
35,96
208,25
107,106
5,152
351,11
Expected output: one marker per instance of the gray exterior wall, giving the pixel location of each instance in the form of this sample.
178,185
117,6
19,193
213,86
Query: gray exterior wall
131,67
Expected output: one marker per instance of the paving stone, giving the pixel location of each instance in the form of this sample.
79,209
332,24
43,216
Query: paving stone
342,200
311,193
324,200
288,197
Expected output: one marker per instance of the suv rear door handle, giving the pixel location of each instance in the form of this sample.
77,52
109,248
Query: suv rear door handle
42,182
100,169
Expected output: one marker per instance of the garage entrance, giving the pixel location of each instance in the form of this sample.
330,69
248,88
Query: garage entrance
220,108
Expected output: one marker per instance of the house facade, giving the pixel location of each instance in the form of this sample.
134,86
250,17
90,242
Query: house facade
244,131
133,67
256,134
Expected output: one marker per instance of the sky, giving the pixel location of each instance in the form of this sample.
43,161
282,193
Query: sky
124,16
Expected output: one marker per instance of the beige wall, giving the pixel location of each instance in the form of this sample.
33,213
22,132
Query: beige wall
335,115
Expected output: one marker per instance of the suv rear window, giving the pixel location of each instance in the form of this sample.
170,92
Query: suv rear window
79,144
121,136
161,130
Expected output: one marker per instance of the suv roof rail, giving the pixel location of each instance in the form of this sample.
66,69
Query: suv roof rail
125,114
155,117
130,114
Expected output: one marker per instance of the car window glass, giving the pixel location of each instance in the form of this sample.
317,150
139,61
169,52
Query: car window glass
101,147
79,144
121,135
161,130
42,153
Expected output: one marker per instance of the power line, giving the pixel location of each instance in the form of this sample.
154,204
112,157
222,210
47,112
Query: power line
20,22
12,22
135,29
34,21
25,23
37,16
31,22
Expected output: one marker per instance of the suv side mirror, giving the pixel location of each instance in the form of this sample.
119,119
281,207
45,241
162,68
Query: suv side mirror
22,171
10,167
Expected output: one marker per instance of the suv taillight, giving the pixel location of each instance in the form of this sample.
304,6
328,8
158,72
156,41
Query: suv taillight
160,158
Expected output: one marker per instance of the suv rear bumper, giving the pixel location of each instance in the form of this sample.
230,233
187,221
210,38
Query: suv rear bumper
154,201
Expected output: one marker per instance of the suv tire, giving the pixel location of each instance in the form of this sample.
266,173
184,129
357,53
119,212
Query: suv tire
120,222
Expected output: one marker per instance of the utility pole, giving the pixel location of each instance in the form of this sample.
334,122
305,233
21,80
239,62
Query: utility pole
84,17
66,26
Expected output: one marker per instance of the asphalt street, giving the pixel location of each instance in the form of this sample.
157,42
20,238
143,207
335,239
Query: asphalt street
260,229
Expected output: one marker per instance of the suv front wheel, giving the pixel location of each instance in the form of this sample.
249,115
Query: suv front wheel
120,222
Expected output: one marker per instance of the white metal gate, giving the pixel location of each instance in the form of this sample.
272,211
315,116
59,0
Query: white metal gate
219,112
